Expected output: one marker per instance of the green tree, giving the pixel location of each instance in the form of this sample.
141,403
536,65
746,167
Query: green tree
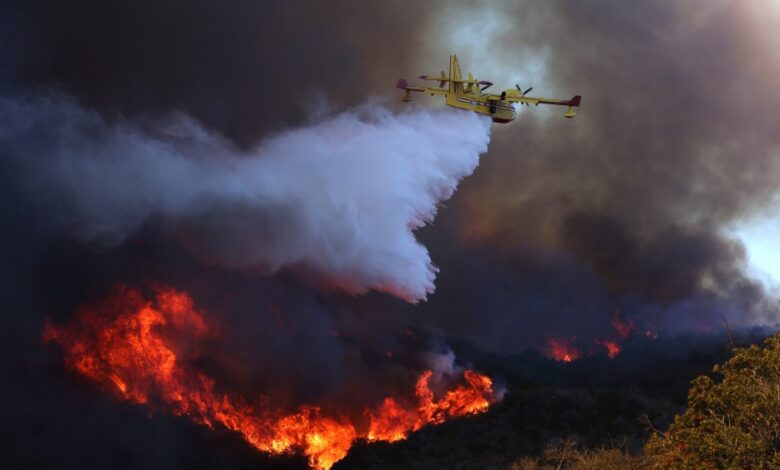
732,421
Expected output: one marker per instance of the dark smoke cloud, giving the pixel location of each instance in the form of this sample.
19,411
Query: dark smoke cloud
243,69
673,145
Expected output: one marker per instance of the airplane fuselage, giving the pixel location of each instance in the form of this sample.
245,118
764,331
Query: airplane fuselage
499,111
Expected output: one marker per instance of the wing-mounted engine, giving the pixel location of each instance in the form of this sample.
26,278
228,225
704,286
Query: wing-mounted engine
443,80
471,84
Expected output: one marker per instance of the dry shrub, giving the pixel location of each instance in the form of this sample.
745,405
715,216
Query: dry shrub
568,455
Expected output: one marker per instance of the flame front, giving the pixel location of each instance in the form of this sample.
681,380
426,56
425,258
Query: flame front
126,345
392,422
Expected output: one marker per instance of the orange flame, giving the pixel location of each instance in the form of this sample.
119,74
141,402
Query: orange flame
392,422
612,347
563,350
126,345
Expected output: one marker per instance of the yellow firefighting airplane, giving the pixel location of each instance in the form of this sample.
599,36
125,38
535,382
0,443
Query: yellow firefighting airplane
468,94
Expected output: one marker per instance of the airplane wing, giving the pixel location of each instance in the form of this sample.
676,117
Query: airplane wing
518,97
402,84
408,97
470,82
444,80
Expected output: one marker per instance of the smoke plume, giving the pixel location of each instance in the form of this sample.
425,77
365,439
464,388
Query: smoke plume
337,201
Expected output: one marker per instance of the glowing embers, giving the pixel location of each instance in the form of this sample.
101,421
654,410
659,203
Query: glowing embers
563,350
140,349
624,328
612,347
569,350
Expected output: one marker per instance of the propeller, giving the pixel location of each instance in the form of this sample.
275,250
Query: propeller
523,93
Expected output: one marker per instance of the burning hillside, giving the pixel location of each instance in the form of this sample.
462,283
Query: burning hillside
132,346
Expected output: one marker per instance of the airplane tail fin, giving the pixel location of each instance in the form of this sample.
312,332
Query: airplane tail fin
575,101
454,74
402,84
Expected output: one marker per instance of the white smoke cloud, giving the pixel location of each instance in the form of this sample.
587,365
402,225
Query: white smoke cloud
339,199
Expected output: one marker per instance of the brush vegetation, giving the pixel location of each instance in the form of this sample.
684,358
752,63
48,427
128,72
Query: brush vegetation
733,419
569,455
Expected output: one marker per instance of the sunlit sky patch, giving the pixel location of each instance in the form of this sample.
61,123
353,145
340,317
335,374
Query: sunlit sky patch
478,36
761,237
